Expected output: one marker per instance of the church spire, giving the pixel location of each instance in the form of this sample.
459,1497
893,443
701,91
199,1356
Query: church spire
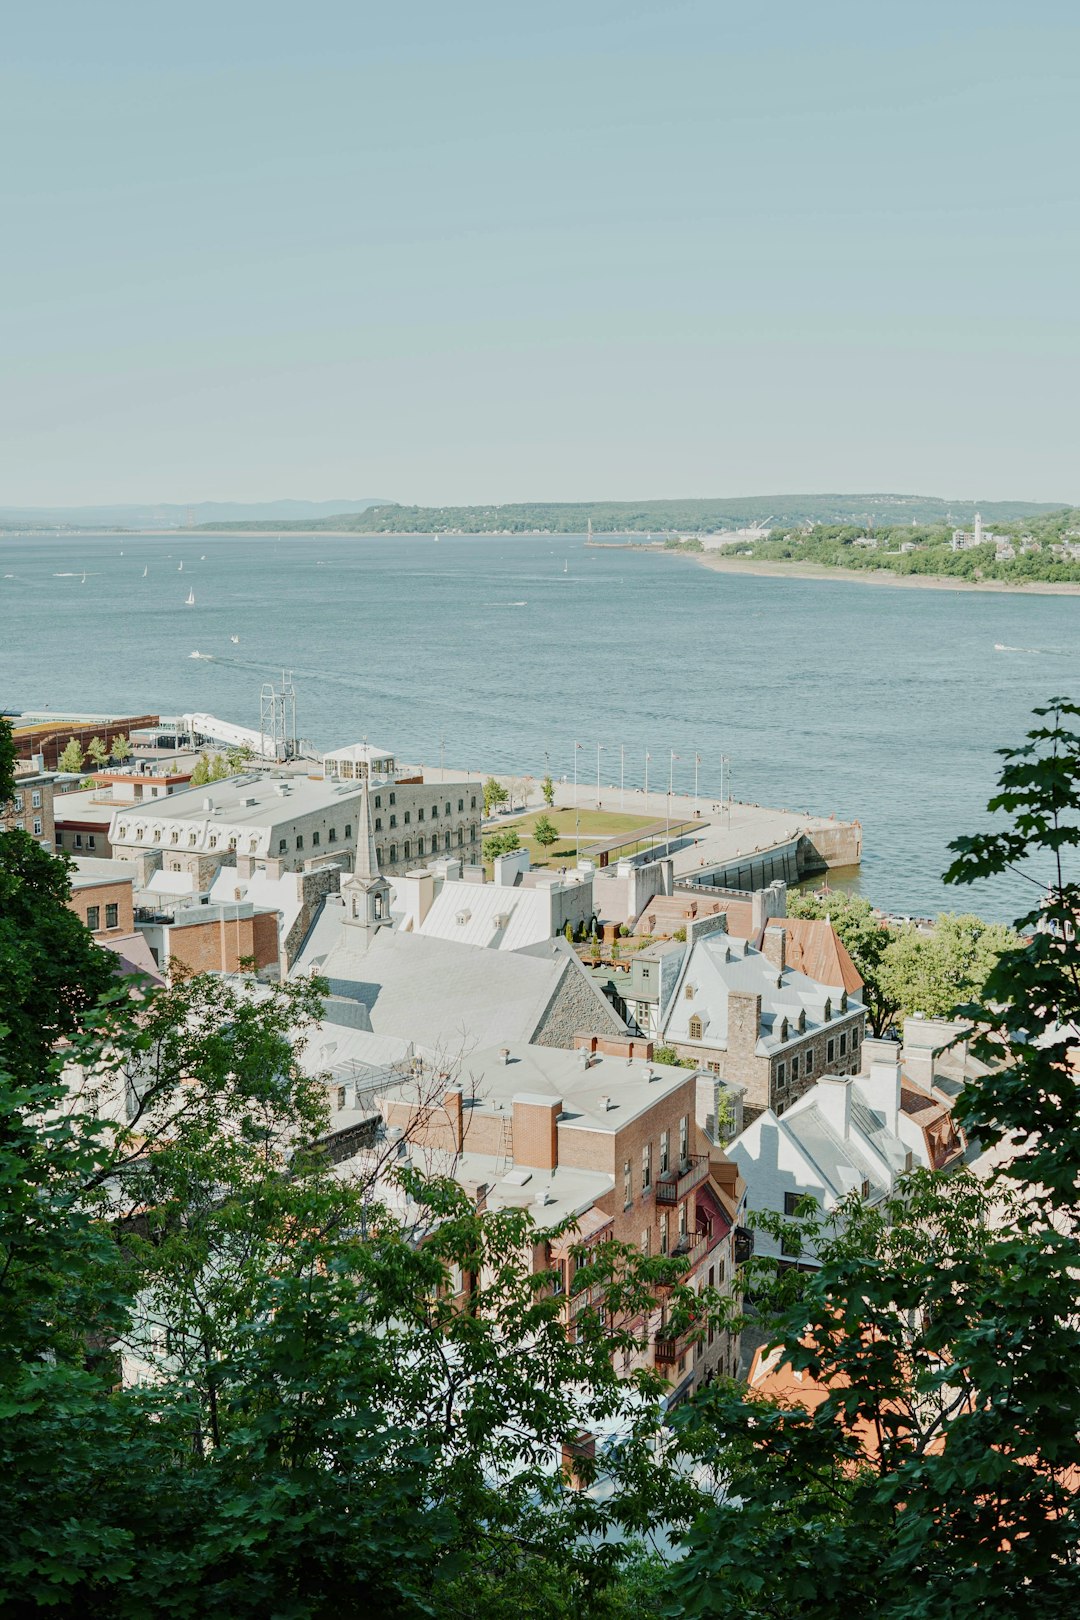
367,864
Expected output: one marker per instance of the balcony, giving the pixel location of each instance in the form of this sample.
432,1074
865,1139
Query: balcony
671,1185
670,1348
692,1246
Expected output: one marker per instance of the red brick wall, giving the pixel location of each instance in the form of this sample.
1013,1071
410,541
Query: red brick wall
102,895
199,945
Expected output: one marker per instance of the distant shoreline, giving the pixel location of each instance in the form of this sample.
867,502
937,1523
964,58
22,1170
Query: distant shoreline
875,576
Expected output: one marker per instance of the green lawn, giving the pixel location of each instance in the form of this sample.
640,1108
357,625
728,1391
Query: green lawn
595,826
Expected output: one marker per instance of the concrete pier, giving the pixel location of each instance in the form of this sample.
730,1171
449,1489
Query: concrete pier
734,845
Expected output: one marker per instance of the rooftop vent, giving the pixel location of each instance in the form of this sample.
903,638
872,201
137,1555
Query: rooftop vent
605,1104
505,1054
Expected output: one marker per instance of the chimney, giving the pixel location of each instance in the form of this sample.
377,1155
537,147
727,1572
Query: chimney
881,1088
757,913
504,1053
774,946
834,1102
452,1104
536,1131
744,1022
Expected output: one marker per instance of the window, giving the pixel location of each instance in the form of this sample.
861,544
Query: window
720,1273
408,817
854,1039
378,801
448,807
78,840
781,1074
112,916
689,992
682,1217
434,812
93,918
378,823
795,1068
665,1154
461,804
792,1200
378,855
91,841
695,1028
348,829
35,799
684,1138
213,841
174,838
300,841
627,1185
664,1233
37,826
419,814
407,849
646,1167
18,803
393,798
843,1043
332,835
282,846
791,1245
341,1096
808,1060
866,1189
557,1283
193,839
393,821
316,838
460,836
646,1241
446,839
420,845
393,854
830,1051
472,802
909,1161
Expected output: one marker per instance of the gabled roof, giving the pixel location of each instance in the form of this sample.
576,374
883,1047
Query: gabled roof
813,947
489,914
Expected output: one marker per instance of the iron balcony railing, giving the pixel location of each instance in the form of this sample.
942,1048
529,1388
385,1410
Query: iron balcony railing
672,1185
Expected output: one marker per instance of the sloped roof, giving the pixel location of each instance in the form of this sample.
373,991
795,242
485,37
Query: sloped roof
479,906
719,964
812,946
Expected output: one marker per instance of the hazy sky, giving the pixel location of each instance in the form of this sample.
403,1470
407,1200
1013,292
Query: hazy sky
586,248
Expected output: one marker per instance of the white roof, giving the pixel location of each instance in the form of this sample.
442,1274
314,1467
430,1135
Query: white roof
361,752
719,964
237,806
488,914
631,1087
89,872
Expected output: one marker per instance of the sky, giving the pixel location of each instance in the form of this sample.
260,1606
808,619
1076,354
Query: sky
590,249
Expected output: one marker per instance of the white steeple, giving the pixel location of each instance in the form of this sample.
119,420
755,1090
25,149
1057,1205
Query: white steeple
365,891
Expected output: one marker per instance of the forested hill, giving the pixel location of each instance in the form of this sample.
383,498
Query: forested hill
660,517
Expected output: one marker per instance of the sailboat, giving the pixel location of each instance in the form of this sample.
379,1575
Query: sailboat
190,599
83,580
180,570
144,573
566,565
235,640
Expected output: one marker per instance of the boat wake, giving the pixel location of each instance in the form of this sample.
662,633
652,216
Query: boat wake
1042,652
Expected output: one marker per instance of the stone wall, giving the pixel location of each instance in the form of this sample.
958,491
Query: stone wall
576,1004
314,887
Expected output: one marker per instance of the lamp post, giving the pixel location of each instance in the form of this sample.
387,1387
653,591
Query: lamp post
670,787
599,751
697,762
622,776
577,812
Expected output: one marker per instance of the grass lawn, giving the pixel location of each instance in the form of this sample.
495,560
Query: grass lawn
595,826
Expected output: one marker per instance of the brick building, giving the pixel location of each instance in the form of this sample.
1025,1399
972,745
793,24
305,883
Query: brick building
102,895
604,1135
212,939
31,808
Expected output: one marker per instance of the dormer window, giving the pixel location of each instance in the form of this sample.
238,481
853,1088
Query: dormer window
174,838
783,1029
689,992
695,1028
193,839
462,918
828,1008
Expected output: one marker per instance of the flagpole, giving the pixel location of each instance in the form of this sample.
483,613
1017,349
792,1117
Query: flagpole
599,751
622,776
577,811
697,762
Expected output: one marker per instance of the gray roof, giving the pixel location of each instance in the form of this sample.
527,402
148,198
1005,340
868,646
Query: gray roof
89,872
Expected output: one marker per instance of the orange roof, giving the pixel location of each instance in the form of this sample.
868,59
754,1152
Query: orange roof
666,912
813,947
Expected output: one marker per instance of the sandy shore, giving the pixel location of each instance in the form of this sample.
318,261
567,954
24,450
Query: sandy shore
874,576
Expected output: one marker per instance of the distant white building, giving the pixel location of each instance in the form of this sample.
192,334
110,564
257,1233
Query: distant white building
968,539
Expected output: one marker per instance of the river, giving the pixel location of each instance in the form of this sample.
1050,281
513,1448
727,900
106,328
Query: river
501,653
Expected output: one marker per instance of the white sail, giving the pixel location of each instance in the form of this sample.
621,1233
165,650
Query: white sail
191,599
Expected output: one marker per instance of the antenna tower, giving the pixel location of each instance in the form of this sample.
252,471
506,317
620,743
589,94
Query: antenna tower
277,718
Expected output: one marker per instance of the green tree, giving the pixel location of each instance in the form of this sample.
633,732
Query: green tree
218,768
547,788
501,843
939,1470
51,972
494,795
934,973
545,831
865,938
96,752
72,757
121,749
201,774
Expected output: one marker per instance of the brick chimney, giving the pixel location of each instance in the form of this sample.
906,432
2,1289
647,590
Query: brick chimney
454,1113
536,1130
744,1022
774,947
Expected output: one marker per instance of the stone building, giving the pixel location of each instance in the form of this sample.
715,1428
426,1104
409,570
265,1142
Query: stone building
31,807
278,821
749,1018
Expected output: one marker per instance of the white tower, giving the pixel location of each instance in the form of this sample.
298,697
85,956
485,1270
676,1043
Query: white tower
365,891
978,529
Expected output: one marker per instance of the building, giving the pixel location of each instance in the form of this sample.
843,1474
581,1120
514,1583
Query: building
604,1136
520,908
847,1134
102,896
357,763
968,539
206,938
31,806
281,822
750,1018
47,735
82,819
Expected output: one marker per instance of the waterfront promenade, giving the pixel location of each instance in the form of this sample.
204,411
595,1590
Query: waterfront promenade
728,836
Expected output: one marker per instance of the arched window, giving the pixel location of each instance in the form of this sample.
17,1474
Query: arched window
378,856
406,849
695,1028
461,835
393,854
446,839
420,845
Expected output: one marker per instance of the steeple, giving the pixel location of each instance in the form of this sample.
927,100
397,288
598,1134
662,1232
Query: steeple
365,891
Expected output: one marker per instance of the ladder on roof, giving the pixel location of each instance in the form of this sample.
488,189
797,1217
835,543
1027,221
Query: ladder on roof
505,1156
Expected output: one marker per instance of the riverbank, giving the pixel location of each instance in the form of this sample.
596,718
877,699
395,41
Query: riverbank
874,576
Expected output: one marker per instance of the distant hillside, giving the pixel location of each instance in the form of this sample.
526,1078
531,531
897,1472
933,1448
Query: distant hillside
660,517
167,515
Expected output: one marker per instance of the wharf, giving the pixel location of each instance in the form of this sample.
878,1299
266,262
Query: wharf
733,845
